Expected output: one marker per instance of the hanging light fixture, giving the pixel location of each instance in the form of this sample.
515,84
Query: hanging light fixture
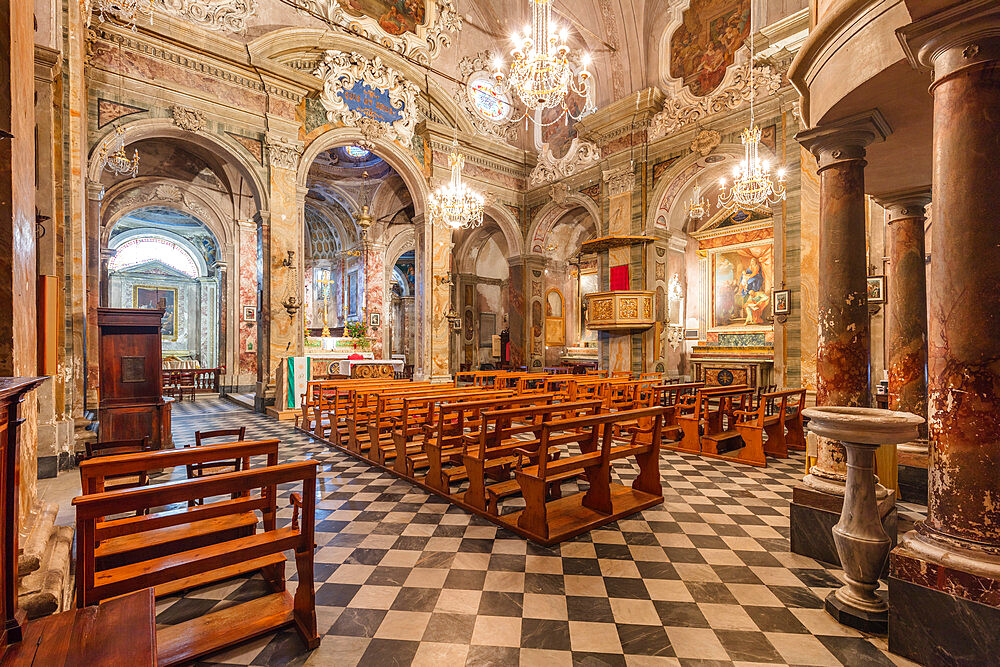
113,158
365,219
752,185
459,206
124,11
541,74
697,205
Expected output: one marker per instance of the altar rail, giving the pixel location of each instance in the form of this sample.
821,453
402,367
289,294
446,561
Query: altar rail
191,380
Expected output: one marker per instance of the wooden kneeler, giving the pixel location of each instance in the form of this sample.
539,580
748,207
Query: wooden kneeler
220,629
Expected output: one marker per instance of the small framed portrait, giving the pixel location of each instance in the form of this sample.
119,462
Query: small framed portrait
782,302
374,319
249,313
876,289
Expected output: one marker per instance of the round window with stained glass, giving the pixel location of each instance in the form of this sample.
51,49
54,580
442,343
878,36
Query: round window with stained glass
357,152
488,103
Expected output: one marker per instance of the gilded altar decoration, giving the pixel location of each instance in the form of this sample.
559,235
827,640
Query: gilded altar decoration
367,94
418,29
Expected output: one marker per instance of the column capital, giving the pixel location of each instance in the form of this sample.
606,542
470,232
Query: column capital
963,36
95,190
906,203
844,140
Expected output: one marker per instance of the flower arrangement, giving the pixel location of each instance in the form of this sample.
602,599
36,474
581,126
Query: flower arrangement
356,330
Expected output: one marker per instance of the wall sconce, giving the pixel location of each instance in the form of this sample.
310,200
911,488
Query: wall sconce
289,261
454,319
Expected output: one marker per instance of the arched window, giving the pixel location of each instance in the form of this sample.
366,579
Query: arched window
140,250
488,103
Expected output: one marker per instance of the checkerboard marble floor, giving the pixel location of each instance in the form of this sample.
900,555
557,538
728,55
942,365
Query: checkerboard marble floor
403,577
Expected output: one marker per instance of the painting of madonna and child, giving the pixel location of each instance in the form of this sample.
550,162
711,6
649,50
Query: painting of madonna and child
742,280
394,16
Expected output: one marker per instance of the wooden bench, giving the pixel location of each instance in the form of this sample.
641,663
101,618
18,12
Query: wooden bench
323,397
220,629
444,438
491,453
768,419
551,520
701,415
721,438
122,541
795,435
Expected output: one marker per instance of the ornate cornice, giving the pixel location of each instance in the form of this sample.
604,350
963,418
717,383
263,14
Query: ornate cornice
423,45
686,109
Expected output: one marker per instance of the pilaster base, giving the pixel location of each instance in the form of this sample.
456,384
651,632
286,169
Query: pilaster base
814,514
933,627
873,622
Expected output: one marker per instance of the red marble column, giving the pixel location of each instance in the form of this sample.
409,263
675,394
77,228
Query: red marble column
947,570
95,192
842,356
906,305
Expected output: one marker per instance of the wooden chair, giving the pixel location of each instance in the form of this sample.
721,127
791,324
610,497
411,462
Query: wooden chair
116,447
188,640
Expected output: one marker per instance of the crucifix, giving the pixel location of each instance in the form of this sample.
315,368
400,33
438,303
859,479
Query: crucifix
326,281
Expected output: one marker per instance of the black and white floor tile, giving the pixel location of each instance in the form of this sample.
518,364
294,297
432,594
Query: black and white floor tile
403,577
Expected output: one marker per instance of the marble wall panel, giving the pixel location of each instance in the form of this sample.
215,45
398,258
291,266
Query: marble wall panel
285,282
375,294
809,263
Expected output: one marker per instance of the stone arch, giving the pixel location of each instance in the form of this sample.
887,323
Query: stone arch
509,227
162,128
552,213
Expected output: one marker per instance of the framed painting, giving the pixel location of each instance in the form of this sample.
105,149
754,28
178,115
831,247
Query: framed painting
149,297
374,319
741,279
780,299
249,313
352,292
876,289
487,329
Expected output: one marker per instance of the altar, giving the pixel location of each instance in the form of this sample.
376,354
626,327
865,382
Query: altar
371,368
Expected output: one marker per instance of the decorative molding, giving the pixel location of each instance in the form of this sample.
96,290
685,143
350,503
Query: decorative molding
621,180
685,109
424,45
188,119
470,66
705,142
340,71
221,15
581,154
283,153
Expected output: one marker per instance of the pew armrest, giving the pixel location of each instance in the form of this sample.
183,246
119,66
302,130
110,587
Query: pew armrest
295,500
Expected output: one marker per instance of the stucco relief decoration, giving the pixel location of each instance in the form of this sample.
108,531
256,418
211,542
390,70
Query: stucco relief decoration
161,193
684,108
581,154
283,153
558,192
221,15
187,119
621,180
369,95
473,70
418,29
705,142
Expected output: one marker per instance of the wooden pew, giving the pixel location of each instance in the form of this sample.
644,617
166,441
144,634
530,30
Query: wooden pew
123,541
768,418
698,416
323,397
220,629
444,439
721,439
492,453
671,394
549,521
795,435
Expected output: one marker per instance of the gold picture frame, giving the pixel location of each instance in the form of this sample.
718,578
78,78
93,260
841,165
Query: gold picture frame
149,296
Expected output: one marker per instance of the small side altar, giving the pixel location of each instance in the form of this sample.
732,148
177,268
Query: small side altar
736,261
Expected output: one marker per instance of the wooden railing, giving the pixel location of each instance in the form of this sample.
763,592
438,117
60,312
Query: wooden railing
191,380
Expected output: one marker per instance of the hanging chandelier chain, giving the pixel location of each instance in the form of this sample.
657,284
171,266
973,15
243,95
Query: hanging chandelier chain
456,204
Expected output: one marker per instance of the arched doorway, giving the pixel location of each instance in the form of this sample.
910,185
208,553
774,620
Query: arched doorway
162,257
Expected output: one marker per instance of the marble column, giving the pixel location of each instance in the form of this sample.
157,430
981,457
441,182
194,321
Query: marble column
842,355
375,295
433,245
95,192
945,575
516,299
906,290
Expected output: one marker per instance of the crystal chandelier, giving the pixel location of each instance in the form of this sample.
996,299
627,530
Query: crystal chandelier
113,158
697,205
752,188
124,11
541,74
456,203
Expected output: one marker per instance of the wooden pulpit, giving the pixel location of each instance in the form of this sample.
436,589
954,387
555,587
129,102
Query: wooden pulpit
131,396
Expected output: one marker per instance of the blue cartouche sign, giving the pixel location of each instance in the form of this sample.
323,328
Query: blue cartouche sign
371,102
